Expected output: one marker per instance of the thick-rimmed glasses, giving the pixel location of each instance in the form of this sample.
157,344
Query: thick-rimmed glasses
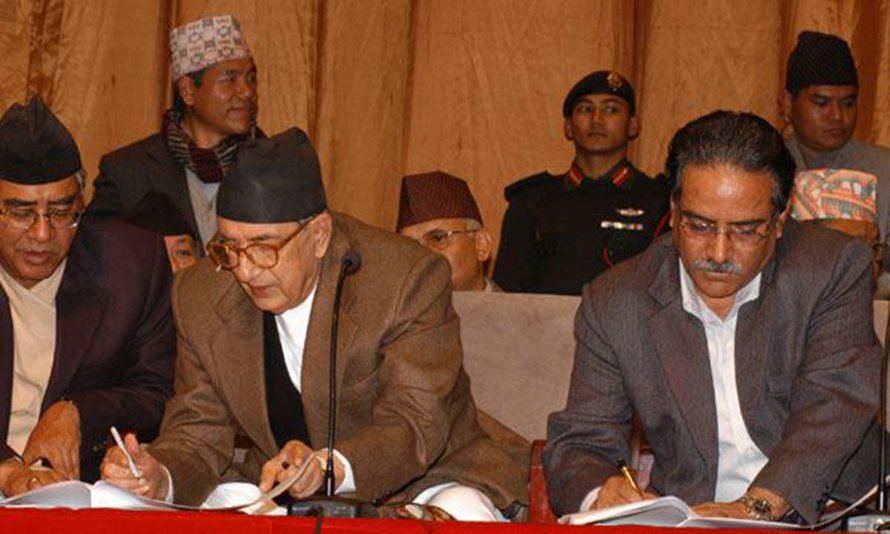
440,239
263,255
741,234
25,218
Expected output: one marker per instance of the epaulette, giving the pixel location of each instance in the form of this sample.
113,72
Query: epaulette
525,183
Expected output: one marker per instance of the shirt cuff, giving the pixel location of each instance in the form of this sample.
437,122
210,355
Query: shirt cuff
348,484
589,499
169,497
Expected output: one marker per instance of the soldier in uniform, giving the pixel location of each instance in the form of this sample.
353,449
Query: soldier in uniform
560,231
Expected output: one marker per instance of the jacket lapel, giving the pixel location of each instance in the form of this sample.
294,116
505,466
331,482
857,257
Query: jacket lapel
316,355
169,179
752,341
237,348
682,348
80,306
6,365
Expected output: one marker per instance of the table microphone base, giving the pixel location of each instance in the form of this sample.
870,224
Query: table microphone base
868,522
331,507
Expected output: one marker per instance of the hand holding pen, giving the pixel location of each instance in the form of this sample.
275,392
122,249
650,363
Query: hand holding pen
120,443
629,477
620,489
133,468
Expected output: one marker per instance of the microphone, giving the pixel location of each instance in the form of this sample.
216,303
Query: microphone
351,262
331,506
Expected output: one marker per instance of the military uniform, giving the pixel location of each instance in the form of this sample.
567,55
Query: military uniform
561,231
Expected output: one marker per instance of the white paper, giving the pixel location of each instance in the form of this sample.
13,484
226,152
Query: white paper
664,512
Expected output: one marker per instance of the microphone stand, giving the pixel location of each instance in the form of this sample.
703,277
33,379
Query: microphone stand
880,519
331,505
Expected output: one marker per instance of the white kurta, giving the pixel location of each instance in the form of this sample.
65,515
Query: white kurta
33,313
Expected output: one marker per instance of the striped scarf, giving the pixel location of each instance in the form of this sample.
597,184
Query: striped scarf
208,164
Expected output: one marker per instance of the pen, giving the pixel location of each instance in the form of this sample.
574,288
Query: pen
120,443
629,477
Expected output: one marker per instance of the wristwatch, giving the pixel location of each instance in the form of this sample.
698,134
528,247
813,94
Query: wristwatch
759,509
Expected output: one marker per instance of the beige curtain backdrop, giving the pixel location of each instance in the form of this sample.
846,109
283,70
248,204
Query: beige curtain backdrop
472,87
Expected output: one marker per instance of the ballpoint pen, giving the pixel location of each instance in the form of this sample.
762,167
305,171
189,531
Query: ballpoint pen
120,443
629,477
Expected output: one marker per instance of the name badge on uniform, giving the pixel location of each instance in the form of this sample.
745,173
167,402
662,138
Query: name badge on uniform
618,225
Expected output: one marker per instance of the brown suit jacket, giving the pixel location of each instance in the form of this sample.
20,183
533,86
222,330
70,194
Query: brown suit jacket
807,367
406,419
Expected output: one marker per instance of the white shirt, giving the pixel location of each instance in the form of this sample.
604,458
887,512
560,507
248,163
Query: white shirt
293,325
203,198
739,459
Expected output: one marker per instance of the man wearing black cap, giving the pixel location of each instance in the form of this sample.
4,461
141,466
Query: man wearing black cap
559,232
821,102
86,332
255,325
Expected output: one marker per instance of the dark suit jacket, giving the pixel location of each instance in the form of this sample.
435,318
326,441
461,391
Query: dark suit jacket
406,416
128,173
807,367
114,339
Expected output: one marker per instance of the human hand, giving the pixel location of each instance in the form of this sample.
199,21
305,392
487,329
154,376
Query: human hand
617,490
153,483
286,463
56,439
16,478
776,507
733,509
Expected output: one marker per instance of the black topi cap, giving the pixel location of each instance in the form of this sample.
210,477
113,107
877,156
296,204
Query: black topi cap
820,59
35,147
601,82
274,180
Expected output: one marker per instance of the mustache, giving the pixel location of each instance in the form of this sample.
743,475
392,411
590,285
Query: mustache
712,266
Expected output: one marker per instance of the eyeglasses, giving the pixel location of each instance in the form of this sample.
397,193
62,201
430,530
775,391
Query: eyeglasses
25,218
263,255
743,235
440,239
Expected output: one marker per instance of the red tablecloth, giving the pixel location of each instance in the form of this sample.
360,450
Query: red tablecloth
57,521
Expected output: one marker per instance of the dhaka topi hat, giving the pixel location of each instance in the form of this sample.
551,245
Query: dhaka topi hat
835,194
601,82
274,180
435,195
35,147
206,42
820,59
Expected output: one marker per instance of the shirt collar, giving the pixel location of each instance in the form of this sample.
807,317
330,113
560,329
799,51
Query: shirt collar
44,290
302,310
618,174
